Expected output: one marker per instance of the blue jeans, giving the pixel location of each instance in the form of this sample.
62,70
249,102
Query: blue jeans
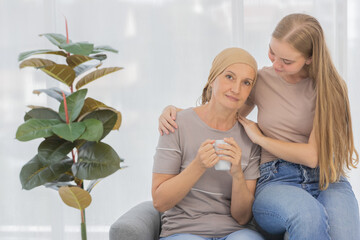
243,234
288,199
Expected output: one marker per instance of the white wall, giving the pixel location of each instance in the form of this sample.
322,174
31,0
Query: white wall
166,48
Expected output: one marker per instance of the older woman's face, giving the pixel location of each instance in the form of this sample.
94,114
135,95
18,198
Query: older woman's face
232,87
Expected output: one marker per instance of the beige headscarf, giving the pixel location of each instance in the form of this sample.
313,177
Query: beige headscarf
224,59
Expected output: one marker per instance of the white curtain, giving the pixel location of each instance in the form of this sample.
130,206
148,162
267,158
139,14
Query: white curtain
166,48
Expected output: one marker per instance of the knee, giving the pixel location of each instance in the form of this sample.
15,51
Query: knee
245,234
310,218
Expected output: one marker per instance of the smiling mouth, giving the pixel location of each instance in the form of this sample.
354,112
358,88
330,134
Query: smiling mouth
232,98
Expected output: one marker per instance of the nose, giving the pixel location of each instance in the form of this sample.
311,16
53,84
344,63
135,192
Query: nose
236,87
277,63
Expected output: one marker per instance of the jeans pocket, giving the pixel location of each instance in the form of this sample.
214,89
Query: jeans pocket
265,173
264,177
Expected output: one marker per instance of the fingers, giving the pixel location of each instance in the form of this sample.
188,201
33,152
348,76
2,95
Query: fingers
167,120
243,120
173,112
207,145
207,155
170,116
231,151
164,125
160,131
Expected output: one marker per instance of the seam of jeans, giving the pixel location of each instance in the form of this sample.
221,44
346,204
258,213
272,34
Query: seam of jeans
270,213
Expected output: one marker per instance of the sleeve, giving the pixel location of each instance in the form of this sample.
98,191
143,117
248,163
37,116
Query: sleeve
168,155
252,169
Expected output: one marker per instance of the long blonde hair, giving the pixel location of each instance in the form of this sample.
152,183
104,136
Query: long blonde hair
332,122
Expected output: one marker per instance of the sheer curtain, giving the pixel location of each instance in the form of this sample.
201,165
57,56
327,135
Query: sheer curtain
166,48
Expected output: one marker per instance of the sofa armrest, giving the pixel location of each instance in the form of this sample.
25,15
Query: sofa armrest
141,222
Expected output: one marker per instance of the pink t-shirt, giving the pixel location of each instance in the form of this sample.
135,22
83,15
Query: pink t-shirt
285,111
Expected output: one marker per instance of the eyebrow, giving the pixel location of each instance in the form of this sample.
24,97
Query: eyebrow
281,58
244,78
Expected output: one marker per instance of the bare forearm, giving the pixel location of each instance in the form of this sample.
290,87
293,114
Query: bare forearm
300,153
172,191
245,110
241,201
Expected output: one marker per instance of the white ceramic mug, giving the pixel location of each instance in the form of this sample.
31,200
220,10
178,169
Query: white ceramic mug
221,164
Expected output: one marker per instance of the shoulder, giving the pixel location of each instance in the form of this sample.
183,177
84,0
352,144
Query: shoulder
185,115
266,72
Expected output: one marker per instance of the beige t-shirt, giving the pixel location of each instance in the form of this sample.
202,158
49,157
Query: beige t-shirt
205,210
285,111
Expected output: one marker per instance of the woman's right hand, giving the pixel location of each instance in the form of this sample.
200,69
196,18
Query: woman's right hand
167,120
206,155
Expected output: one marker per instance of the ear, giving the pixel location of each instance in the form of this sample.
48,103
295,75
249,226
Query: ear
308,61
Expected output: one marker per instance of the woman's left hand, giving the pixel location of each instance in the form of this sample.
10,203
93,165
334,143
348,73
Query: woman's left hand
252,129
231,152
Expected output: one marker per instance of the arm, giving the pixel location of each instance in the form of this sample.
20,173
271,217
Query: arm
300,153
246,108
243,191
168,189
167,118
242,198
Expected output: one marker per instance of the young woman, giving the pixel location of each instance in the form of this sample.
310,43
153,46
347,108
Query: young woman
306,137
198,201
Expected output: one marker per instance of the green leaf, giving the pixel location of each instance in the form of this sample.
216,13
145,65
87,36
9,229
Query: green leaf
96,160
95,75
36,63
55,38
35,128
80,48
57,185
91,104
53,92
60,72
65,179
104,48
69,132
75,197
27,54
100,57
53,150
92,184
41,113
74,102
84,68
107,117
35,173
76,60
94,130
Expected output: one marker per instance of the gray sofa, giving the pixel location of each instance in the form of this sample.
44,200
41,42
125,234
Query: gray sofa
142,222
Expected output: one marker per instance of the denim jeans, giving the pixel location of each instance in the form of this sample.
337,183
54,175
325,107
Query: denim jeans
243,234
288,199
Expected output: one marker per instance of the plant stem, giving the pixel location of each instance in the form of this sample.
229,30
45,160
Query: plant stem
65,109
73,155
83,225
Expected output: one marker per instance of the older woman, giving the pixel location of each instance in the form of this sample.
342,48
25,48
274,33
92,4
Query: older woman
198,201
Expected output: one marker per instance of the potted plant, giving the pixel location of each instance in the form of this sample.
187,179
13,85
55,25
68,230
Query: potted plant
72,150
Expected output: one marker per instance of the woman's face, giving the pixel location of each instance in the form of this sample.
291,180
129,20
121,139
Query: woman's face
232,87
287,61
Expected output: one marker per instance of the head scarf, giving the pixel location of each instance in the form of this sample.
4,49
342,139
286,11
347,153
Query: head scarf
228,57
224,59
